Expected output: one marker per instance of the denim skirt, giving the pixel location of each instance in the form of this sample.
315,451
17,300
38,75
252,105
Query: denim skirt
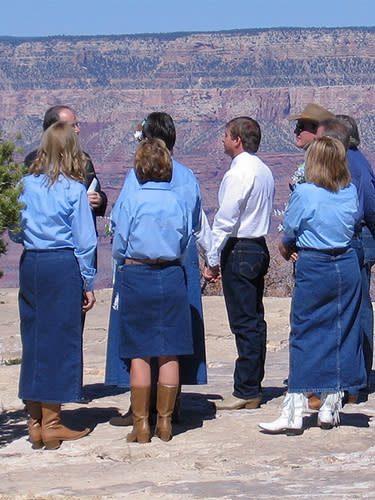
193,369
154,311
50,305
325,344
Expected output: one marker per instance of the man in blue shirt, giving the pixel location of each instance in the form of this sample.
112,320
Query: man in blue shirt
363,180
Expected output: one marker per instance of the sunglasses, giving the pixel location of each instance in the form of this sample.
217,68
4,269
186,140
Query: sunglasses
306,126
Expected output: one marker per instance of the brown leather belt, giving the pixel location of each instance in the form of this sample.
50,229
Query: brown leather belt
150,262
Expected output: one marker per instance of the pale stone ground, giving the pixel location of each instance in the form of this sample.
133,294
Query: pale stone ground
222,456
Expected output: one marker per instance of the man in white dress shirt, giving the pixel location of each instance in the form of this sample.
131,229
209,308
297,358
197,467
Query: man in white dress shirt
238,243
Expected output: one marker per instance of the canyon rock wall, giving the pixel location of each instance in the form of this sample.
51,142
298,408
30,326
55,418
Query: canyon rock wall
202,80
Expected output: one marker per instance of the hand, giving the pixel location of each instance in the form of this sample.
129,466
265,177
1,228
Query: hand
211,274
293,257
88,301
95,199
288,253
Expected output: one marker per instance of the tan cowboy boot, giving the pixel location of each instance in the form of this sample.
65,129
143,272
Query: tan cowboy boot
53,432
140,403
35,429
166,399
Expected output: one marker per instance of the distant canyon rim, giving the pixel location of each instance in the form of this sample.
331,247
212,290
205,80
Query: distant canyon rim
202,80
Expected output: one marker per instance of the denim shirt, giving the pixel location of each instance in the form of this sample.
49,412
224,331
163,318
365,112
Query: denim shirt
153,223
58,216
321,219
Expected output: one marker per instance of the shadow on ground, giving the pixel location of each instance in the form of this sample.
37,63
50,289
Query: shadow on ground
87,417
195,408
98,391
12,426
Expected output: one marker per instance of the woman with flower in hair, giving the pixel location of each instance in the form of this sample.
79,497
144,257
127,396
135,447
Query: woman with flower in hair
193,368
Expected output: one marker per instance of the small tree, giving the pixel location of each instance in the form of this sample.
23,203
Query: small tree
10,174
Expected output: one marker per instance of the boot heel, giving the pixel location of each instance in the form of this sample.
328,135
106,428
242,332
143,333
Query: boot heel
54,444
253,404
325,426
138,436
294,432
163,429
143,437
37,445
164,436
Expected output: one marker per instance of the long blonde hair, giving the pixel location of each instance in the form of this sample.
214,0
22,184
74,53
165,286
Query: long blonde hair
326,164
60,153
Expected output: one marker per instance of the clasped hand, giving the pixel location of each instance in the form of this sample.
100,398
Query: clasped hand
88,301
211,274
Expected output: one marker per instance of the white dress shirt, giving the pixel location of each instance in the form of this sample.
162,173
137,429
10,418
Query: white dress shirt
245,203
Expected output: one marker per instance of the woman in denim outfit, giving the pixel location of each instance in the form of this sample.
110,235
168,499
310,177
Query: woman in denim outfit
325,343
56,282
150,239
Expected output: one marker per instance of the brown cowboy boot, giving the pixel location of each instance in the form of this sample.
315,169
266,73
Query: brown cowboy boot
165,404
53,432
35,429
127,418
140,403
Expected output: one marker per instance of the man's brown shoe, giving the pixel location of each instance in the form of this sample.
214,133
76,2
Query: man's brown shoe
314,402
351,398
233,403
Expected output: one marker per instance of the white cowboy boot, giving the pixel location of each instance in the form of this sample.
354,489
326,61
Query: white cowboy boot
291,418
331,404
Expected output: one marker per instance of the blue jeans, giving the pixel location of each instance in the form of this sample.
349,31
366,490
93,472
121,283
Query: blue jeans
367,318
368,246
244,263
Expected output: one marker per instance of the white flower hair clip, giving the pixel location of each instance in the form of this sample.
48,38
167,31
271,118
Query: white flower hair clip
138,134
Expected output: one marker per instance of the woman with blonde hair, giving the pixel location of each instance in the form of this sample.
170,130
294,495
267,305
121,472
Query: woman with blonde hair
325,352
56,282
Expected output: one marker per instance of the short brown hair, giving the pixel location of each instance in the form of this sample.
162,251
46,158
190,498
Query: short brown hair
248,130
326,164
153,161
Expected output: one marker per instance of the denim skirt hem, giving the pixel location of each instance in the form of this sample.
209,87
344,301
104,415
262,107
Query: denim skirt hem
350,389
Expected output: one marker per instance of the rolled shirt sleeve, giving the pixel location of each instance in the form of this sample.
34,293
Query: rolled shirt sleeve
84,239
